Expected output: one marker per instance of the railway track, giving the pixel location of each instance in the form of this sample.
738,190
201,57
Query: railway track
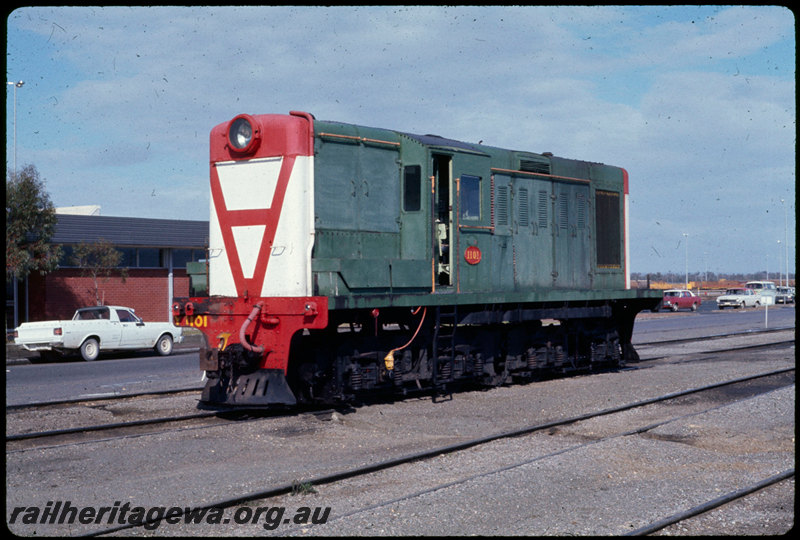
154,421
724,393
142,427
712,504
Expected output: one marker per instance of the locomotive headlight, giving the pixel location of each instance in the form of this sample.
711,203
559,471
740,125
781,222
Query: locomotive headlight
243,134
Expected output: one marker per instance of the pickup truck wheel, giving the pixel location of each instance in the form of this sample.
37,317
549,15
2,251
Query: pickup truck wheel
164,345
90,350
694,307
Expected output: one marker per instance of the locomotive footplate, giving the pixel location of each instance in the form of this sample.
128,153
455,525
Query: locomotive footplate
260,388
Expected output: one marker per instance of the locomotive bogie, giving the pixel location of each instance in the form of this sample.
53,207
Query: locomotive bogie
345,259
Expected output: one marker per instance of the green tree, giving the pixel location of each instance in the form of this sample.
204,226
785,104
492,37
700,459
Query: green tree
30,224
98,260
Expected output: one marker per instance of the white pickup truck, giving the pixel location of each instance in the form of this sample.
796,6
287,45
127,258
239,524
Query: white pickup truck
95,329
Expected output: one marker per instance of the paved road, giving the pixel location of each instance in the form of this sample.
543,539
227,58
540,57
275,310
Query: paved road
684,324
31,383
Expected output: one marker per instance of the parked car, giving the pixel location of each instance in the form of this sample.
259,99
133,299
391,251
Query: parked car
676,299
739,297
96,329
785,295
765,289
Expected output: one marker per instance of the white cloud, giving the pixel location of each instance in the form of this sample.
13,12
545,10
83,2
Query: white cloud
697,102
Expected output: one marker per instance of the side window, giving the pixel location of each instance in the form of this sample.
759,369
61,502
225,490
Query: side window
125,315
412,188
470,200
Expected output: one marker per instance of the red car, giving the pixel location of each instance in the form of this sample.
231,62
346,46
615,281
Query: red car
676,299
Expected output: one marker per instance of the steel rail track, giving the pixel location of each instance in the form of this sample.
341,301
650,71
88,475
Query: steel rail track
106,427
218,417
712,337
291,487
711,505
197,389
221,411
107,397
639,532
638,365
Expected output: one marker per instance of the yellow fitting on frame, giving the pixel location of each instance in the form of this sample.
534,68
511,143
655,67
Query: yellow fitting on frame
389,361
223,340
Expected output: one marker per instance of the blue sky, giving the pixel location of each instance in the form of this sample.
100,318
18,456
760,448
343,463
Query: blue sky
697,103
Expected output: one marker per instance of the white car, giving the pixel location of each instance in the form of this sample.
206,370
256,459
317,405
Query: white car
96,329
739,297
765,289
785,295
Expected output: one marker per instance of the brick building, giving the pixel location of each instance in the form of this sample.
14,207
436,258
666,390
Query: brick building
155,253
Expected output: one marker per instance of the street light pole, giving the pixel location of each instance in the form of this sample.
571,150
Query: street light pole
686,283
17,84
786,239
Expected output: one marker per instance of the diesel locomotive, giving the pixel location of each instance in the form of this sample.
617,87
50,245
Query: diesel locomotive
345,259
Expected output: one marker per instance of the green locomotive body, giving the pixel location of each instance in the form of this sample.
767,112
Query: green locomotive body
345,258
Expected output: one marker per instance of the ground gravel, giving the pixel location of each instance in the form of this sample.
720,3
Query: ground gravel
552,482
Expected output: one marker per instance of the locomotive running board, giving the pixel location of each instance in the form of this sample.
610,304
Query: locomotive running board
261,388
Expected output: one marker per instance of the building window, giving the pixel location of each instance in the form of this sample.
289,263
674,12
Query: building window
142,257
182,256
66,257
150,258
128,257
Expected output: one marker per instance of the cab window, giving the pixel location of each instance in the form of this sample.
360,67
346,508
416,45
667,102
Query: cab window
470,200
412,187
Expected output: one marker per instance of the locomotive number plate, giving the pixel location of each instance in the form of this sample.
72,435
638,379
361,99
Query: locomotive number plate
472,255
196,321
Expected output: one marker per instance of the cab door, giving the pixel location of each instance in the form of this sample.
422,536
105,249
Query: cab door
442,216
134,333
472,266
